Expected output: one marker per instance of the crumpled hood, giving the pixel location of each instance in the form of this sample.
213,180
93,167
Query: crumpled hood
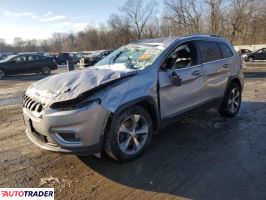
70,85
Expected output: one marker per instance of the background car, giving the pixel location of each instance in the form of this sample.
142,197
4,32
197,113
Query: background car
27,63
257,55
62,58
243,53
83,54
93,58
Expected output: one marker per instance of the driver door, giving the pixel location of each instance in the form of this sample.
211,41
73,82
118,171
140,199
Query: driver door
18,64
181,80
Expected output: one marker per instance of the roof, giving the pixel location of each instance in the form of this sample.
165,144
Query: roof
166,41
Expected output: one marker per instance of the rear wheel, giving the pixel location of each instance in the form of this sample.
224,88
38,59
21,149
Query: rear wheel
130,134
46,70
2,74
232,101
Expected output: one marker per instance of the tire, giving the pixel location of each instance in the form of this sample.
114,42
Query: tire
129,135
2,74
232,101
46,70
250,59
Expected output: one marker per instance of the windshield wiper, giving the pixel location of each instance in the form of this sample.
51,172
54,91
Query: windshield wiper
115,57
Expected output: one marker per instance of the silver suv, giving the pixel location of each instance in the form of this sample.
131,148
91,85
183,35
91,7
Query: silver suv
119,103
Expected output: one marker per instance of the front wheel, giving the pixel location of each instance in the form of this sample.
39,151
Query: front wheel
46,70
232,101
130,134
2,74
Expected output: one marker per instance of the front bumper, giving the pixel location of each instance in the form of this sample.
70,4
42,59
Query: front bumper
77,131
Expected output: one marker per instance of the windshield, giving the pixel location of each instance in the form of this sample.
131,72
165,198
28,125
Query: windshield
132,56
2,57
8,58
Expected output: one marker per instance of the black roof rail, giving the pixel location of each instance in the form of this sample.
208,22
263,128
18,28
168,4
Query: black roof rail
202,34
214,35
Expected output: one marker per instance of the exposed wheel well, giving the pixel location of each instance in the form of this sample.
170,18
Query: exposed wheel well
237,81
146,105
151,110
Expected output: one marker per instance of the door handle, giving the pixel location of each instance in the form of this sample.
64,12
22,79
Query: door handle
196,73
226,66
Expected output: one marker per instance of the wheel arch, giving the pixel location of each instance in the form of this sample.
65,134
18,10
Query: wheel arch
235,80
147,103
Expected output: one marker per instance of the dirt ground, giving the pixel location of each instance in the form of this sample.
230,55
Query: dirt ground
202,156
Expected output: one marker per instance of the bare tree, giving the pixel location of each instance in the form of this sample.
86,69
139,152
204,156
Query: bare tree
57,40
152,29
238,15
241,21
18,43
120,30
184,15
215,15
138,14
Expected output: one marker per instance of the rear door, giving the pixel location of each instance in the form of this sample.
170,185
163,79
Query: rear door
33,63
36,63
216,69
185,92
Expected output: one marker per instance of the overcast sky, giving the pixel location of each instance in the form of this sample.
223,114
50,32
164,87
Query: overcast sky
40,18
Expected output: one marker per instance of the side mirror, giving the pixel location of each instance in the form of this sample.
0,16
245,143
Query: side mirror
175,79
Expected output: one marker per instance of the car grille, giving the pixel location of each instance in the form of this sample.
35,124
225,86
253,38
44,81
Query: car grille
31,104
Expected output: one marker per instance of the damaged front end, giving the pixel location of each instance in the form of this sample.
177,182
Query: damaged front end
69,117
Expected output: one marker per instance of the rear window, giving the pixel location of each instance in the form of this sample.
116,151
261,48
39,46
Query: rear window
210,51
226,51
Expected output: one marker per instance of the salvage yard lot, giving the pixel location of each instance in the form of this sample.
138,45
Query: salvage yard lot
202,156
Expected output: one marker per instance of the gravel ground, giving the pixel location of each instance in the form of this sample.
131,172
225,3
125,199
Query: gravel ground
203,156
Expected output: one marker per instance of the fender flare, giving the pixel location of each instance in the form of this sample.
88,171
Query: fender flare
155,115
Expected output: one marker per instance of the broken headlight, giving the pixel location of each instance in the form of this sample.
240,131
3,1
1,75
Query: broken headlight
74,104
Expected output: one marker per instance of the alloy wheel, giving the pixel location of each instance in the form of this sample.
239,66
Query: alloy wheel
234,100
46,70
132,134
2,74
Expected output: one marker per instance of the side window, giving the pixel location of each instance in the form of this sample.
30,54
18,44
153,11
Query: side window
183,56
260,51
264,50
210,51
21,59
226,51
31,58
